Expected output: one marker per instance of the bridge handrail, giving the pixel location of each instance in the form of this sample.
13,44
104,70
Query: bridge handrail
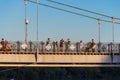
102,47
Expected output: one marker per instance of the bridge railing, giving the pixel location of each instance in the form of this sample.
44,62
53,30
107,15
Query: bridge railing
74,47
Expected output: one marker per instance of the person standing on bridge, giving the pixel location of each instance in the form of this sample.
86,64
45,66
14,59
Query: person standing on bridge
48,46
57,46
3,44
48,41
81,46
61,45
67,44
93,45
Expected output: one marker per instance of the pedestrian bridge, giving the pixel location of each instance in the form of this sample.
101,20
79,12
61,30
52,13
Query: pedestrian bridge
59,59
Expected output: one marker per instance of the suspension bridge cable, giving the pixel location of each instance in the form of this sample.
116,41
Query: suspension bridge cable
63,10
82,9
72,12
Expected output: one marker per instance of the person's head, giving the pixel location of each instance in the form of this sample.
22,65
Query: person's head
2,38
81,41
56,42
92,40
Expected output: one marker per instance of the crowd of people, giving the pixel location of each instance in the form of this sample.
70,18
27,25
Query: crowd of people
58,46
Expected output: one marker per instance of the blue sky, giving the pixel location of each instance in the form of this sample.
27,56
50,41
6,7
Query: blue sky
58,24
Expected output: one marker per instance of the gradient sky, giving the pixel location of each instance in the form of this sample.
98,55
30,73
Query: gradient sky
58,24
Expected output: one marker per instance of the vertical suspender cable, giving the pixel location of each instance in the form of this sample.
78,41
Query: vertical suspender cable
99,43
37,46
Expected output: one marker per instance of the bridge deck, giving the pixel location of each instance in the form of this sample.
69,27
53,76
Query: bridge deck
59,59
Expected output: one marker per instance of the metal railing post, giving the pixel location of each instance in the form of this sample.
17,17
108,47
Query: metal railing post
30,43
119,47
42,46
53,46
77,47
18,45
111,45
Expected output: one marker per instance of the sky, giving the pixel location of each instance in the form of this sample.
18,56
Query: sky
57,24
